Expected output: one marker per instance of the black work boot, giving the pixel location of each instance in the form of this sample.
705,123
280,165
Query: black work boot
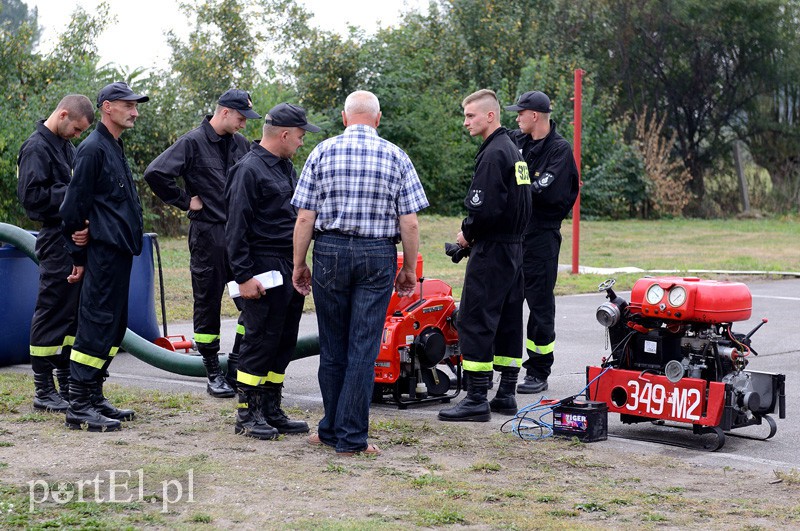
474,407
249,417
233,366
217,386
62,375
532,385
275,416
81,415
45,395
504,401
104,407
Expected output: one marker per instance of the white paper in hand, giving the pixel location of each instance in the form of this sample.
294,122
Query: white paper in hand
268,279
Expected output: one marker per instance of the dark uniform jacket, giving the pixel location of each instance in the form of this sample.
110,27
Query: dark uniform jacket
102,190
499,199
202,158
260,216
554,177
44,169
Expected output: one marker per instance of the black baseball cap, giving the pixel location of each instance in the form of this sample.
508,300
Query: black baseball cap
533,100
288,115
238,100
119,91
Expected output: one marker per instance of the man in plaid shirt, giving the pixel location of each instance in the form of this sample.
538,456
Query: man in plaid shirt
357,196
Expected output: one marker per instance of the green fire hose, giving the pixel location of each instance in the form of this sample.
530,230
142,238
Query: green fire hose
138,346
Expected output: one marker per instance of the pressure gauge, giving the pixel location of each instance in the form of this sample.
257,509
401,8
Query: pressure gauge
654,294
677,296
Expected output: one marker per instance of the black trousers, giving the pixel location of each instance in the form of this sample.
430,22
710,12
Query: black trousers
210,271
271,323
540,267
490,313
55,318
103,313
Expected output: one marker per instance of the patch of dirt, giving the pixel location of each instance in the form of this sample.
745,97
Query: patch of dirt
431,475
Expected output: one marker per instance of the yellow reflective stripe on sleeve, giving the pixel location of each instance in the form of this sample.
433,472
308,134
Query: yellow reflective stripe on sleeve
85,359
205,338
44,351
113,352
249,379
68,341
240,329
274,377
537,349
505,361
478,366
521,171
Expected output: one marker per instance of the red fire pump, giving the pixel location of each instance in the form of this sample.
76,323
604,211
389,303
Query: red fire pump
419,341
675,357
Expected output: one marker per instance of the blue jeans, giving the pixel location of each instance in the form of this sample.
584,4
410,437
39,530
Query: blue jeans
352,284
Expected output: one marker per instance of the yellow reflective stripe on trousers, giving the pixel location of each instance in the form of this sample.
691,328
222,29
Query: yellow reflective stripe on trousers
44,351
85,359
274,377
537,349
477,366
113,352
253,380
69,341
240,329
248,379
505,361
205,338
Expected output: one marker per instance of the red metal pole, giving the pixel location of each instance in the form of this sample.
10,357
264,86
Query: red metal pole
576,210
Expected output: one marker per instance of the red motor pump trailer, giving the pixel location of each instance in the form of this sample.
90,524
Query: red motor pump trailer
675,357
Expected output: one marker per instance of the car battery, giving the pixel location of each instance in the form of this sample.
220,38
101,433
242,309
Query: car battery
586,420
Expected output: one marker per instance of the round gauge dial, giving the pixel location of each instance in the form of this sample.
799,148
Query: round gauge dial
677,296
654,294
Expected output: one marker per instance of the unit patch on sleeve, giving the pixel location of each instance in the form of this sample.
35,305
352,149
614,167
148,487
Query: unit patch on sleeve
475,197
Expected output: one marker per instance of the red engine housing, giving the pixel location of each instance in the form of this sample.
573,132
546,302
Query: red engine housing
705,301
425,316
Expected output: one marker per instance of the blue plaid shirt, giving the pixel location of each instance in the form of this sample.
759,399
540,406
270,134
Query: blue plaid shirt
359,184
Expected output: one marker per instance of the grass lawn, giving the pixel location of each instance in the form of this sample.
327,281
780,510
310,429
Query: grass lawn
771,245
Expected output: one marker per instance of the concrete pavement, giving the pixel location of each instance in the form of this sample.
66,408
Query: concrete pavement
581,342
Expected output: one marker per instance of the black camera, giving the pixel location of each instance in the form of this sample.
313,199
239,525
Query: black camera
456,252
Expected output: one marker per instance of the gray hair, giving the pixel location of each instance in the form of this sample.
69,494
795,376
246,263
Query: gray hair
362,102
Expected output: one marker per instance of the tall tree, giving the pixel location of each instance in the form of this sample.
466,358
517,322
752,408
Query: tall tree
696,62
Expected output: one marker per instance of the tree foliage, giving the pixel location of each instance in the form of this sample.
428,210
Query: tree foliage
711,72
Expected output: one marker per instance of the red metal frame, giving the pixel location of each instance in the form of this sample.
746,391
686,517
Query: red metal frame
643,394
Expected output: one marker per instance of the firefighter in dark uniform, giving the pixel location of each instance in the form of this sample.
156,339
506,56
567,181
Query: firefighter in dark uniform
202,157
102,190
554,184
490,313
44,169
259,234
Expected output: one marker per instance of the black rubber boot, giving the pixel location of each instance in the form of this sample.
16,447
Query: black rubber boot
217,386
62,375
474,407
45,395
504,402
275,416
233,365
104,407
249,416
81,415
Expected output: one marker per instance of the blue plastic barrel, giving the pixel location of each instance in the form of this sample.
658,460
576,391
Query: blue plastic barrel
19,282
